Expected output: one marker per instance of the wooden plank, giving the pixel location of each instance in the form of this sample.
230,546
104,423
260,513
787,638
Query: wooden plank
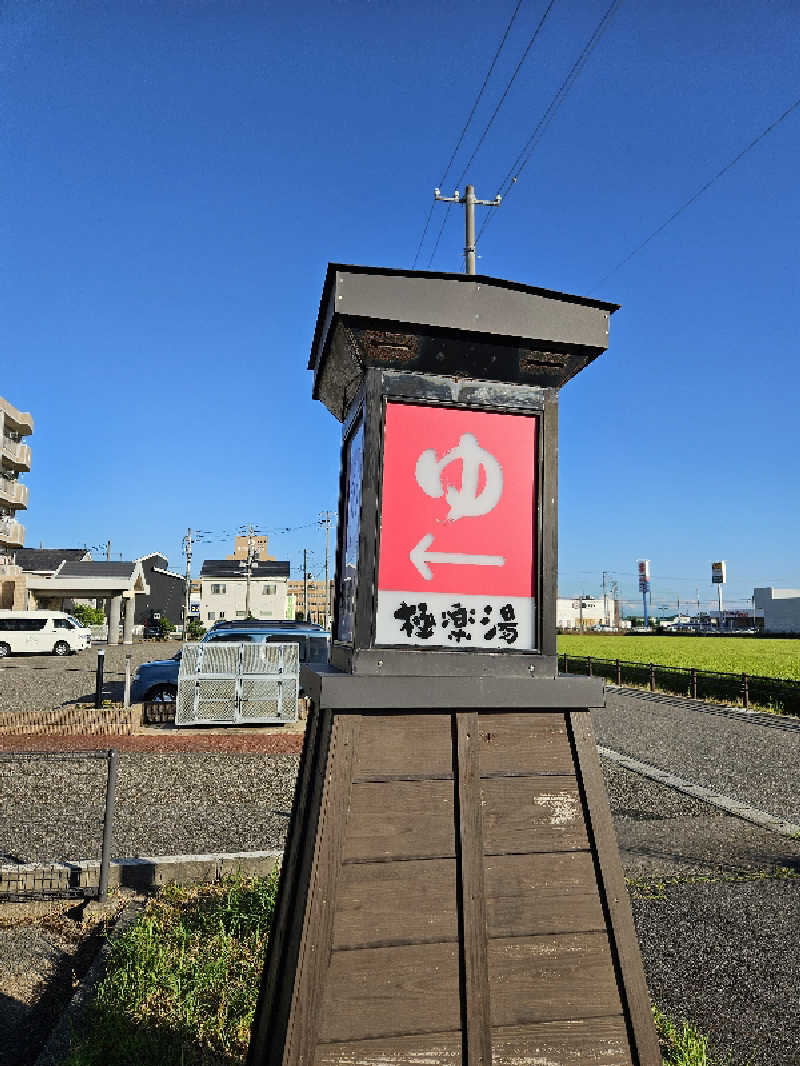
473,897
317,942
398,991
274,1002
431,1049
400,820
578,1042
635,997
386,903
418,744
549,978
522,814
542,893
525,743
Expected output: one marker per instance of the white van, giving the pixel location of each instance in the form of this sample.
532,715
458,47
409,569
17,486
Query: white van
42,632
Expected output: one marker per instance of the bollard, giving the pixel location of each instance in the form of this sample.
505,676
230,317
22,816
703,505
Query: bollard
98,682
566,664
652,677
108,823
619,672
693,681
745,691
589,664
126,697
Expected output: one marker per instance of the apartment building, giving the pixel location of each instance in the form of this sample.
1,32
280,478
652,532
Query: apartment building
258,546
320,608
15,459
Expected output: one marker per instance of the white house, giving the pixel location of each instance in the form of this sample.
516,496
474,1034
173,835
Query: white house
224,589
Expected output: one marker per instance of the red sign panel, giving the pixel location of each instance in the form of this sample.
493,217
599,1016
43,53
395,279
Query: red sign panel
457,527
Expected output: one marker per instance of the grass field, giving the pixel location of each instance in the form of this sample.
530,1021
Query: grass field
765,658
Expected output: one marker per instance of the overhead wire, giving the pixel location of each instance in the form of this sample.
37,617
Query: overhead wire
462,134
527,150
696,196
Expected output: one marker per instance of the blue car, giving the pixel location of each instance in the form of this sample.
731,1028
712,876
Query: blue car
157,681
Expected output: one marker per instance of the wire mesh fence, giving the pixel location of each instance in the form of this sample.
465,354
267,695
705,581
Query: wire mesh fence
47,798
746,690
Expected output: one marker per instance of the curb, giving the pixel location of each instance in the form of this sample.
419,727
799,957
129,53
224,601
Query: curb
58,1043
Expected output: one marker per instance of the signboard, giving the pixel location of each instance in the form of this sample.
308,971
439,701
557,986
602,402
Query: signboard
718,573
456,566
354,460
644,575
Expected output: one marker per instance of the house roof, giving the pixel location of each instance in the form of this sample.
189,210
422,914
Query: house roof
231,568
47,559
72,568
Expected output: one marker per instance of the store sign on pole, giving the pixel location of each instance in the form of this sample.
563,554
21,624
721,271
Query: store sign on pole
457,529
644,575
718,576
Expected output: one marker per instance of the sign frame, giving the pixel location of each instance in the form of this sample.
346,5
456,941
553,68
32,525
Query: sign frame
362,654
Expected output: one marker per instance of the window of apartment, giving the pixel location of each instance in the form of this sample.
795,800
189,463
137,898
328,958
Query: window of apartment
241,614
211,616
269,590
217,590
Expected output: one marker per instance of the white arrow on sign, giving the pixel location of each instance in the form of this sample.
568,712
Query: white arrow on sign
420,557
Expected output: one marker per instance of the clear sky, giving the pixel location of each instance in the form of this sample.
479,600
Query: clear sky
177,175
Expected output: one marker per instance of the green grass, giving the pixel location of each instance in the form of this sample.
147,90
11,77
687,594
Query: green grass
736,655
182,983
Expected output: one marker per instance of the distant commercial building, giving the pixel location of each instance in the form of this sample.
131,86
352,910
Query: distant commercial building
320,608
258,546
781,609
15,459
223,589
586,612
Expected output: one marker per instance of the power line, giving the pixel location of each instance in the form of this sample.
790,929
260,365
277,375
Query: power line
461,137
524,155
488,126
699,192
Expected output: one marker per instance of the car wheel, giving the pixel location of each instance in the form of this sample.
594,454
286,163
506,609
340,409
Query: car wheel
61,648
162,694
4,649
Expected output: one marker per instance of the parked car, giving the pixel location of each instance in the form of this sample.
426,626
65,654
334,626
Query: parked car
157,681
42,632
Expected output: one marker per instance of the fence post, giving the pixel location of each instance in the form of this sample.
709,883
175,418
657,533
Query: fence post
108,823
745,691
98,681
693,682
126,696
589,664
652,677
619,672
566,664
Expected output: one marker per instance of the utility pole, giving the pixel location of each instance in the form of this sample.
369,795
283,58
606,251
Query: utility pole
306,613
580,614
188,543
469,202
249,569
108,551
325,520
605,600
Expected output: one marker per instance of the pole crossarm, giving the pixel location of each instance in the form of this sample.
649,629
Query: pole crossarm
469,202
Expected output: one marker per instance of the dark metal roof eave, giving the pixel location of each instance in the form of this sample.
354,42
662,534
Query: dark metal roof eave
483,279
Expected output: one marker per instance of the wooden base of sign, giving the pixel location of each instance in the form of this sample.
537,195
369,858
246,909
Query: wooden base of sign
451,895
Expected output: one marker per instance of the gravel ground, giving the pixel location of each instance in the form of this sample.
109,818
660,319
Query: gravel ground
44,682
741,759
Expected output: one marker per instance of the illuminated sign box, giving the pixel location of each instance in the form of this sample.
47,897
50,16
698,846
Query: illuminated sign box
447,388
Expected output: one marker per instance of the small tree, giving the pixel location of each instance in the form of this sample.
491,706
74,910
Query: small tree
166,627
195,629
88,616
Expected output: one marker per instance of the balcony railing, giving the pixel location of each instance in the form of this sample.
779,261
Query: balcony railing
13,493
18,454
11,533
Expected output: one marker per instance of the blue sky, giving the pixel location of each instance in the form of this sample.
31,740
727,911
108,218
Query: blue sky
177,175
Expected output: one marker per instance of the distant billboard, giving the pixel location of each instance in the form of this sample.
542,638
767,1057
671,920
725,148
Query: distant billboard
718,573
644,575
